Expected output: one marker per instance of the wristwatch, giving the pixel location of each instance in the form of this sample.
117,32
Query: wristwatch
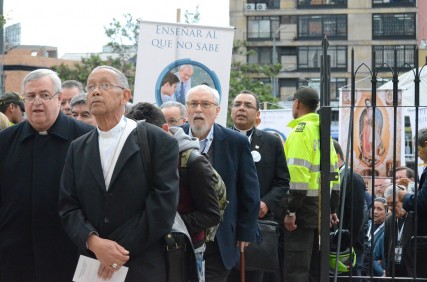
289,213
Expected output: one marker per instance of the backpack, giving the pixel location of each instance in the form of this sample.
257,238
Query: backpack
180,258
186,158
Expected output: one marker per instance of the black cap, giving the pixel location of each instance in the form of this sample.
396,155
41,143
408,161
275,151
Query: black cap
12,98
307,95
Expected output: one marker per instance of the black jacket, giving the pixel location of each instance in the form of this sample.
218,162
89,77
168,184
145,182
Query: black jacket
30,171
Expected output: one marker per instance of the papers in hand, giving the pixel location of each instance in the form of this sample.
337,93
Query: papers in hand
87,271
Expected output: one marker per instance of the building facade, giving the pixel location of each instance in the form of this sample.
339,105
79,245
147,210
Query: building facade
290,32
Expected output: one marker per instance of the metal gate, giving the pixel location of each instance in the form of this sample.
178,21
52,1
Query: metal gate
393,107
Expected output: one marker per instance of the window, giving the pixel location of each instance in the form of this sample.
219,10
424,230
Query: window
262,28
336,84
313,4
384,55
271,4
394,3
309,58
399,26
260,55
316,27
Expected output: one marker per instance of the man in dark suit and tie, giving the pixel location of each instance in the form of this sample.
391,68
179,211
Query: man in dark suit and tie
111,209
184,73
229,153
269,157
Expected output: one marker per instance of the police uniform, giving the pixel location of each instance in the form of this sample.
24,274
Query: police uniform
302,150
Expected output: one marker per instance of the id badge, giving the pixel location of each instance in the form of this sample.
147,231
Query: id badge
397,254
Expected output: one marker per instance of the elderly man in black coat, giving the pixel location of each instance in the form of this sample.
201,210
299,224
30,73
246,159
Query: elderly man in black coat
33,244
111,208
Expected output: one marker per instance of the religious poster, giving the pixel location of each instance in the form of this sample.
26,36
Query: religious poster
173,57
373,131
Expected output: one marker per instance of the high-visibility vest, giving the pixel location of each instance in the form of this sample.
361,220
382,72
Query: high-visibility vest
302,150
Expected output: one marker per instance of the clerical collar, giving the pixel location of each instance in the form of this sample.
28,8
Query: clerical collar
244,132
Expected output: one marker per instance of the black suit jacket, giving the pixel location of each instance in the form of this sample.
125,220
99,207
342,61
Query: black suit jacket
354,207
31,236
134,212
272,170
409,204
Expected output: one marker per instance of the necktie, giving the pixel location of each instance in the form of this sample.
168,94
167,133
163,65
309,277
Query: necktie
181,96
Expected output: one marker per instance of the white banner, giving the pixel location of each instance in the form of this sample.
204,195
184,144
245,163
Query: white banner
276,121
165,47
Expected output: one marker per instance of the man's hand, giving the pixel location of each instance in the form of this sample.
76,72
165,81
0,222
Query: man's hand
403,181
111,255
242,245
401,194
263,209
334,220
289,223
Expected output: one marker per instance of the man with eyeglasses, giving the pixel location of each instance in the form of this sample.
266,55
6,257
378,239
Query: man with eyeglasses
69,89
33,244
111,209
272,170
174,113
229,153
12,105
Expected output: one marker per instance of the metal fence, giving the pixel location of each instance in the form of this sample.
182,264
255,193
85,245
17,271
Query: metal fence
328,274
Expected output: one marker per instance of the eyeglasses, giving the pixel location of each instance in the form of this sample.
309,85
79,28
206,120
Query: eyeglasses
173,122
205,104
44,96
246,105
103,86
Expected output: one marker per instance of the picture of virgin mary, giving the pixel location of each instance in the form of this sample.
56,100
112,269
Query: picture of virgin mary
368,130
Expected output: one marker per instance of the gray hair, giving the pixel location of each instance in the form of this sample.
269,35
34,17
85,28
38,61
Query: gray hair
128,107
171,104
389,191
40,73
78,100
72,84
204,88
186,66
120,76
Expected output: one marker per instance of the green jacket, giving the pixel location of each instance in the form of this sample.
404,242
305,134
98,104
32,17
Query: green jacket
302,150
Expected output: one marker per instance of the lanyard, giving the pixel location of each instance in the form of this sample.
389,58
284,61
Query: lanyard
399,233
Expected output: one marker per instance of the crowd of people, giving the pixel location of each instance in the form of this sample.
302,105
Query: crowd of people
73,181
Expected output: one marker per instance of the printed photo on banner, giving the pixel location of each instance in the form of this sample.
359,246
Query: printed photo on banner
174,57
178,77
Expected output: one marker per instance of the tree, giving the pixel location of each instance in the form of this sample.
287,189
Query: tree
192,17
81,70
251,77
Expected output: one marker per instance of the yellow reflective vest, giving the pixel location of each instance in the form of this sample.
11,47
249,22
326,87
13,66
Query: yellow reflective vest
302,150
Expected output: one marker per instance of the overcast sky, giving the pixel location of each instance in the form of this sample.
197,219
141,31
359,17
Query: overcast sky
78,26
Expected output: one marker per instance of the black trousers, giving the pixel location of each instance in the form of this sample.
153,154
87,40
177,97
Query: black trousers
215,270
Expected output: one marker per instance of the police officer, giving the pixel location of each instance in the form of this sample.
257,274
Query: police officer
302,151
